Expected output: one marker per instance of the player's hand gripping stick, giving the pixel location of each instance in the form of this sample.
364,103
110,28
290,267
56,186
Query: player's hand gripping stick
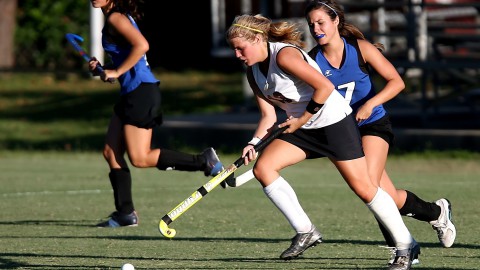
73,39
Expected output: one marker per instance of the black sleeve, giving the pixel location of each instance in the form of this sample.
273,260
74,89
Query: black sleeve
313,52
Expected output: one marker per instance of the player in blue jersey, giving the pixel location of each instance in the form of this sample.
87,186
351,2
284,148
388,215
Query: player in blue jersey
345,58
136,113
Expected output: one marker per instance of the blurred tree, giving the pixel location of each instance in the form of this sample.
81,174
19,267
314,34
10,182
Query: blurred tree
40,33
7,27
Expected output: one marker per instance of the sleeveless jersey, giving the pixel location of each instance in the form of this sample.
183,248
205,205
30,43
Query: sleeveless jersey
352,79
292,94
140,73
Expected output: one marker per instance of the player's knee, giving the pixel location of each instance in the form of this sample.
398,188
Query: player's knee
108,154
366,194
139,161
259,171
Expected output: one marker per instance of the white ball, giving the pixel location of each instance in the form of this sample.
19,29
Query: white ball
128,266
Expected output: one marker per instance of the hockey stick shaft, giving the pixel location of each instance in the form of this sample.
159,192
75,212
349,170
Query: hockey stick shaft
206,188
72,39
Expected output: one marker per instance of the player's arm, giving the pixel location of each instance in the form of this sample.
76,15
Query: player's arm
292,61
394,82
121,26
268,115
268,118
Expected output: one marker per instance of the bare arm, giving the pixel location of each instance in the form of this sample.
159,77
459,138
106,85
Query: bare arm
268,116
291,61
122,26
394,83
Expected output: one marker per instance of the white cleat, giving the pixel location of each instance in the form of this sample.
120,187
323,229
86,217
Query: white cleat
443,225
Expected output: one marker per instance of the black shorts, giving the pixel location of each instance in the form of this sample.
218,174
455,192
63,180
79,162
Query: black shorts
340,141
141,107
381,128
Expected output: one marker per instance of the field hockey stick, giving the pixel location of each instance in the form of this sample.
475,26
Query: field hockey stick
72,39
206,188
241,179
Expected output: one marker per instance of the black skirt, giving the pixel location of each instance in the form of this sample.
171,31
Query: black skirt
340,141
141,107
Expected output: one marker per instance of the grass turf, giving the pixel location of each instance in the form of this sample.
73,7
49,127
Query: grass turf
52,200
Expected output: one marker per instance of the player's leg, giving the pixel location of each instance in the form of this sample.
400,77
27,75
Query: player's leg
120,178
376,148
206,161
138,142
383,207
282,195
376,151
438,213
140,112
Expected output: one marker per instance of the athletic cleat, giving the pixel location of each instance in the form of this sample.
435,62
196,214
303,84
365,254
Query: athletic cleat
301,242
213,164
443,225
393,252
117,219
404,258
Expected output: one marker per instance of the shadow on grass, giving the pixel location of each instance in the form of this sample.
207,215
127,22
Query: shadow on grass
91,223
7,261
95,106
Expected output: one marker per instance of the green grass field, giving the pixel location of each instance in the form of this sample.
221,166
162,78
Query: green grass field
52,200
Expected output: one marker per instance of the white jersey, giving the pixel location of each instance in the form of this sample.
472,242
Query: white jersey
292,94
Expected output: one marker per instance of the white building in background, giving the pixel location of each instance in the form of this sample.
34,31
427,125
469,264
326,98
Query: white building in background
96,25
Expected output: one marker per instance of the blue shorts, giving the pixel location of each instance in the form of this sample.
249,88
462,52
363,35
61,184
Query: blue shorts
141,107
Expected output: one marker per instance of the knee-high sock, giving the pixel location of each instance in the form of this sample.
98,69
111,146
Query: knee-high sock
121,181
385,210
284,198
419,209
173,160
388,238
113,181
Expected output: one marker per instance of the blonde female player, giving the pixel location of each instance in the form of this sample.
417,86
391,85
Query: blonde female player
320,125
345,58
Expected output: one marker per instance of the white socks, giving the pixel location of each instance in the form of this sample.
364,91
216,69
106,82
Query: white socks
283,196
383,207
385,210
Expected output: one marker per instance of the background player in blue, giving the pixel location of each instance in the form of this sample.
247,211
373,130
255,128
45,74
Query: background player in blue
137,111
345,57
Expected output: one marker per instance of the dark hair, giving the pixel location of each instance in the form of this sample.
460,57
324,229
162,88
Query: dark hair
333,9
132,7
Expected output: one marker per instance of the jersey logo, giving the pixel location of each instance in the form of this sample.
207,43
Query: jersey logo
328,73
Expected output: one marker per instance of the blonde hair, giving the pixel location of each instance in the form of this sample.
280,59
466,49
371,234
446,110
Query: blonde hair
249,26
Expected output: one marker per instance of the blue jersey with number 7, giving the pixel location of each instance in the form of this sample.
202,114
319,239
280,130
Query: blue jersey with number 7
351,79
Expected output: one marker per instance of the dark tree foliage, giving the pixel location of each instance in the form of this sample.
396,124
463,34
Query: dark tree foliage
40,33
